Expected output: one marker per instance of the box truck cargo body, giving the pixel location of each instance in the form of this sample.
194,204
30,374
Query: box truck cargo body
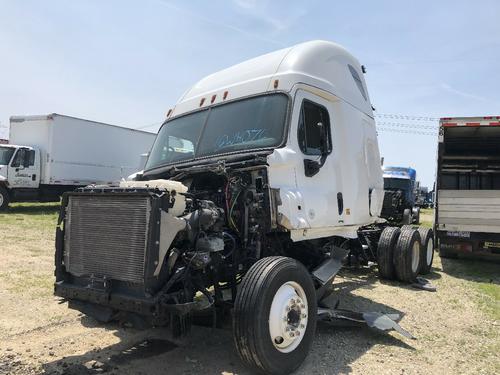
48,155
467,218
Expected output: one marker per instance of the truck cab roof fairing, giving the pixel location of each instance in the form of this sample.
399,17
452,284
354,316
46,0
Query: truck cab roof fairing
321,64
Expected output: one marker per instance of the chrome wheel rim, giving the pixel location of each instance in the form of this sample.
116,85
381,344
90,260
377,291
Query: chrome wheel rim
288,317
1,199
415,256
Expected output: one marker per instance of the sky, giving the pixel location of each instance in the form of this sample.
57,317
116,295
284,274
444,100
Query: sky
127,62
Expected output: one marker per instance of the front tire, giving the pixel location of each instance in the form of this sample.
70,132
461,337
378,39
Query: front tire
274,317
4,198
407,216
416,215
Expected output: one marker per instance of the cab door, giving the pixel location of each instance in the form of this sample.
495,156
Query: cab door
318,175
24,169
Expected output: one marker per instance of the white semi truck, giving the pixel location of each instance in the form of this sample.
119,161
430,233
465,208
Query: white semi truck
262,182
467,201
50,154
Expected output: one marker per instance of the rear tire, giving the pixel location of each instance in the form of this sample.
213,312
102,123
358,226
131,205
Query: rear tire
4,198
274,317
385,251
407,255
426,250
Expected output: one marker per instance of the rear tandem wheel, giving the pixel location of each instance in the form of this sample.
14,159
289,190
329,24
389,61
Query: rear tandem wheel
407,255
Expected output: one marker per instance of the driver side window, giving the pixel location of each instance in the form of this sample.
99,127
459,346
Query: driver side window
24,158
310,133
19,158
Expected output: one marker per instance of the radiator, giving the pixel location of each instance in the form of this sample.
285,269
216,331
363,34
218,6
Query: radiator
106,236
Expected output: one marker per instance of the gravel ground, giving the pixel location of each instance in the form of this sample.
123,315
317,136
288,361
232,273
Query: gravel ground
457,328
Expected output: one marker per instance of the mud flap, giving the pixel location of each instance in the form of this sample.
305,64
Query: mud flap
376,320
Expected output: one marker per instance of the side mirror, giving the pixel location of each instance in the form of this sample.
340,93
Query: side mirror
311,167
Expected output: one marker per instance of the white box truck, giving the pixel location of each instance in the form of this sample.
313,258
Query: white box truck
50,154
467,216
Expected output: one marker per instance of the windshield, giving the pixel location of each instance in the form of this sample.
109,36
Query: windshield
246,124
396,183
6,154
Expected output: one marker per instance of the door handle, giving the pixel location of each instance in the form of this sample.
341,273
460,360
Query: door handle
340,203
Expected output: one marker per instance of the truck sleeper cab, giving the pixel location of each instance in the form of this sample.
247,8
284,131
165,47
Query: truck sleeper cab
262,180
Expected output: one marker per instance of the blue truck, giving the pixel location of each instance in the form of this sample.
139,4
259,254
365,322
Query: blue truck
400,185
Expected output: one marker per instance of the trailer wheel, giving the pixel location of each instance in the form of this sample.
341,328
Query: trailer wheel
274,316
385,251
4,198
407,216
426,250
407,255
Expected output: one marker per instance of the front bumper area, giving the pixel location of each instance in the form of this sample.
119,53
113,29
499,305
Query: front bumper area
146,307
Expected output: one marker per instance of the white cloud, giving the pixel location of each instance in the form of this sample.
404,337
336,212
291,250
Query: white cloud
448,88
246,4
271,13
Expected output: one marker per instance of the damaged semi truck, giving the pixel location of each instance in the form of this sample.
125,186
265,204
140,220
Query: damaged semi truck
262,182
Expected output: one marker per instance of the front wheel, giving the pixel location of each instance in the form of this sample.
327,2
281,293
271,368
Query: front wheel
4,198
416,215
274,317
407,219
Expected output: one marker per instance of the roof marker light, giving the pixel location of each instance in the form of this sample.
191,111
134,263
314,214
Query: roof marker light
225,95
202,101
276,82
213,98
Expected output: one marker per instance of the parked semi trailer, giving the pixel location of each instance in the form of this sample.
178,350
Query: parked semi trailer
264,179
50,154
467,216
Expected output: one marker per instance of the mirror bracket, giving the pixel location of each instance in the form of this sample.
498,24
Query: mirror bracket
311,167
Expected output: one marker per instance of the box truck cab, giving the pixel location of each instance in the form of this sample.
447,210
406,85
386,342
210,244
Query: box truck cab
19,169
51,154
20,166
262,180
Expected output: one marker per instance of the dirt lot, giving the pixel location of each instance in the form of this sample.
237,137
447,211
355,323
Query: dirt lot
457,327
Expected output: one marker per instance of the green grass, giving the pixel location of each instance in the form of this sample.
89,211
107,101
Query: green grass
426,217
483,277
33,215
27,231
25,281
